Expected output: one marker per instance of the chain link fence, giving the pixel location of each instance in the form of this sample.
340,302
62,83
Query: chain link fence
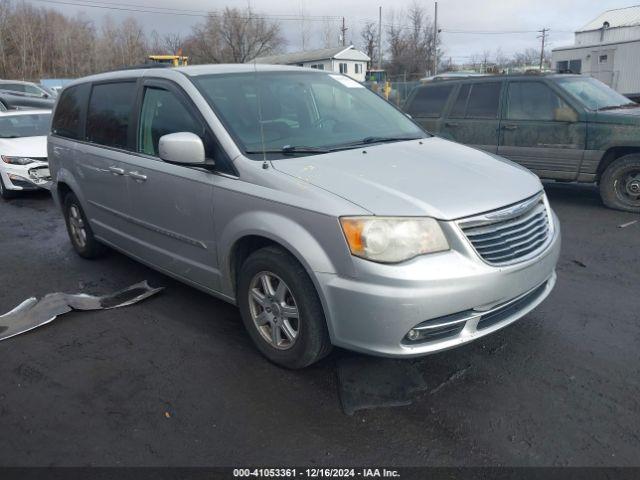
395,92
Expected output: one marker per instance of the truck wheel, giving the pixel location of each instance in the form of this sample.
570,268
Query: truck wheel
281,310
620,184
79,230
4,193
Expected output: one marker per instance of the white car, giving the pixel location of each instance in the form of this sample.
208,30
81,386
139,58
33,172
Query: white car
23,151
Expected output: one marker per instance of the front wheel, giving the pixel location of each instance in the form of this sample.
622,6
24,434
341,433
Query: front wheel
620,184
281,310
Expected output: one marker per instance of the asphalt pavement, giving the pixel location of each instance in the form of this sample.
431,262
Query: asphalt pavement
174,380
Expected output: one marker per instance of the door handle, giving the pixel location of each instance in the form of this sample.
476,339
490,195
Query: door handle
452,124
57,151
509,127
138,177
116,170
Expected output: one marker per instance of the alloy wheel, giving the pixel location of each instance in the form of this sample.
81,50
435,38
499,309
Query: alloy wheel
77,226
274,310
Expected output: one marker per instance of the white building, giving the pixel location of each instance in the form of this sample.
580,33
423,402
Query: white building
345,60
606,48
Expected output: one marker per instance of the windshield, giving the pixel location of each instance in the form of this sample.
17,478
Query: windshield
593,93
302,112
15,126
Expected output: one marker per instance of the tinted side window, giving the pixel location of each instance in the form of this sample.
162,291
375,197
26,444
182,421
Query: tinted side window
484,100
109,113
429,101
33,90
13,87
460,107
533,101
67,117
162,114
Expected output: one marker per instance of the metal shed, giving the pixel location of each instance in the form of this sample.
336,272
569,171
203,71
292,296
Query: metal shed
606,48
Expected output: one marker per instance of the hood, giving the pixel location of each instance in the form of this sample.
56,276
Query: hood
34,147
432,177
626,116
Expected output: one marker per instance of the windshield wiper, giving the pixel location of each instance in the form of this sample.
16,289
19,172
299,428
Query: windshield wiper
387,139
303,149
291,149
371,140
624,105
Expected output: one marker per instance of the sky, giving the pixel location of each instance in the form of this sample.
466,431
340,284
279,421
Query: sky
562,17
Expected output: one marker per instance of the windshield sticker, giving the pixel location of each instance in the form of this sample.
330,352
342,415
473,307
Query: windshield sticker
346,81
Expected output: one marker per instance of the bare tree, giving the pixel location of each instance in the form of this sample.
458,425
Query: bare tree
173,43
235,37
39,42
369,40
330,34
411,43
156,43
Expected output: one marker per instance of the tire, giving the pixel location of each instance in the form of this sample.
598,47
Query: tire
4,193
311,342
620,184
85,244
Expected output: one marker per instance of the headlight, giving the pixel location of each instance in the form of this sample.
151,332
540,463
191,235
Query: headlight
17,160
393,239
547,206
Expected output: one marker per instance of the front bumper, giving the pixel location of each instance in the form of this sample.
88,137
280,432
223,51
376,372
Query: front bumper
26,177
374,312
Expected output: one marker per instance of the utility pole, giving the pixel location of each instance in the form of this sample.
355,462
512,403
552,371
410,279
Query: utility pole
344,33
543,36
435,41
379,38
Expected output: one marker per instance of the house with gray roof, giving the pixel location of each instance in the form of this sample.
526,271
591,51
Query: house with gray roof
347,60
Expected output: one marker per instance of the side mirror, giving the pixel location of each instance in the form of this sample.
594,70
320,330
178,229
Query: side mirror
565,114
183,147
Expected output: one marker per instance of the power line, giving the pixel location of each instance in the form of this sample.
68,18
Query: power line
489,32
180,12
138,8
499,32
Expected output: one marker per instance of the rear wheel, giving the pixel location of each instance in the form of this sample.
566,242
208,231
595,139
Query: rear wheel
620,184
4,193
79,230
281,310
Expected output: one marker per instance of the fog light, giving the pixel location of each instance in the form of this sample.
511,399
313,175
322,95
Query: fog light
17,178
413,334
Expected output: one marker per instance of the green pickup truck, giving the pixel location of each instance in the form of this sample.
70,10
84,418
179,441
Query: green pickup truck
563,127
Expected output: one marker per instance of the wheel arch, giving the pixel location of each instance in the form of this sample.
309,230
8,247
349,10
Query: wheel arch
611,155
245,245
62,190
65,184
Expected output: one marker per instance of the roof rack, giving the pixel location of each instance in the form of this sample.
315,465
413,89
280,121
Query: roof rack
142,66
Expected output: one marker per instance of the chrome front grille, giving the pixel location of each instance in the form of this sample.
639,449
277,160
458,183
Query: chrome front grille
512,234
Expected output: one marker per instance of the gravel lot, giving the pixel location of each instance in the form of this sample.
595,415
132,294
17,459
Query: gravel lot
175,380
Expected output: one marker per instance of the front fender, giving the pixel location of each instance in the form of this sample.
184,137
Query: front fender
318,252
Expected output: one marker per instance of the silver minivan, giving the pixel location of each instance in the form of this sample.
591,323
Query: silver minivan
324,213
